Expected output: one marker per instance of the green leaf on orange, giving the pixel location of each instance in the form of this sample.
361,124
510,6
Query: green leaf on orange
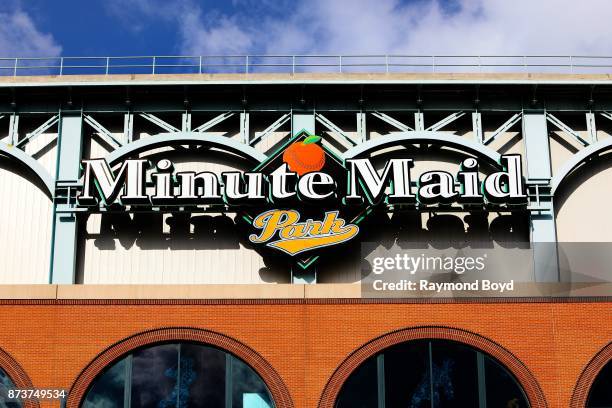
311,139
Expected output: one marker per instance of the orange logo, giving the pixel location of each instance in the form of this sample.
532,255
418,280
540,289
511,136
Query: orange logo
294,237
305,157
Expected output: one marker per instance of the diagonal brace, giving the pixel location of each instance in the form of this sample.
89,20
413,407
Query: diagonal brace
213,122
563,127
514,119
38,131
104,133
607,115
162,124
333,128
392,121
272,128
447,120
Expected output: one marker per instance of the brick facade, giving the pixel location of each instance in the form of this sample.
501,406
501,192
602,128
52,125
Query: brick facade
300,346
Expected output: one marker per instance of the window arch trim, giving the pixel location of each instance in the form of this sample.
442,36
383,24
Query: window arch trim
522,374
18,376
276,386
588,376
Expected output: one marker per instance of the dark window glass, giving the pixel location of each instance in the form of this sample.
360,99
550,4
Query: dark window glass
455,375
178,376
154,373
248,389
202,377
600,395
6,384
360,390
432,373
502,388
108,389
407,375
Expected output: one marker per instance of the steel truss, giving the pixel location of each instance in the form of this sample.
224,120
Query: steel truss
251,130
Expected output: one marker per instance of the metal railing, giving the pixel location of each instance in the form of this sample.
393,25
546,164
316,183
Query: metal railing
292,64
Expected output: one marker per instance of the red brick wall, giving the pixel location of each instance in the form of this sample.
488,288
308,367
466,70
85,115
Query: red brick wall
305,342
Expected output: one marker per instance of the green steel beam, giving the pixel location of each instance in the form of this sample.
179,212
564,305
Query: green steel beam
564,128
245,128
514,119
38,131
477,127
438,138
186,122
332,127
543,228
362,132
159,122
14,129
37,170
447,120
272,128
104,133
213,122
65,225
419,122
591,126
185,138
392,121
128,127
578,159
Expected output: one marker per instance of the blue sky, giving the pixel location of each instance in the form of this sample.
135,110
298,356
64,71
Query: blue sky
197,27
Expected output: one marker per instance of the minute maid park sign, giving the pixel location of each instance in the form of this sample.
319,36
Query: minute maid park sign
303,197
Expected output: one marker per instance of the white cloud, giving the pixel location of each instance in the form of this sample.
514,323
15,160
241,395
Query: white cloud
224,36
390,26
19,37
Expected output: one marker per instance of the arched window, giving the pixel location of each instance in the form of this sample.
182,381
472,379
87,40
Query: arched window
600,395
431,373
177,375
7,384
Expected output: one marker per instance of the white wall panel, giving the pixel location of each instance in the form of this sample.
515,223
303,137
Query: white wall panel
582,215
25,230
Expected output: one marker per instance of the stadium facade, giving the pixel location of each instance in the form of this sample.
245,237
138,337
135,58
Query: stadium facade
207,240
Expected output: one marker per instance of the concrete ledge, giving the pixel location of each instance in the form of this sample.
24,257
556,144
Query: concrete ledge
247,291
332,290
275,291
159,79
280,291
147,292
28,291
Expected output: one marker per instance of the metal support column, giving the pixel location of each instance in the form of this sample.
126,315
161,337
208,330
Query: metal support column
14,129
302,121
419,121
128,127
244,128
591,126
65,229
362,134
380,380
186,122
482,383
477,127
542,219
299,123
228,381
